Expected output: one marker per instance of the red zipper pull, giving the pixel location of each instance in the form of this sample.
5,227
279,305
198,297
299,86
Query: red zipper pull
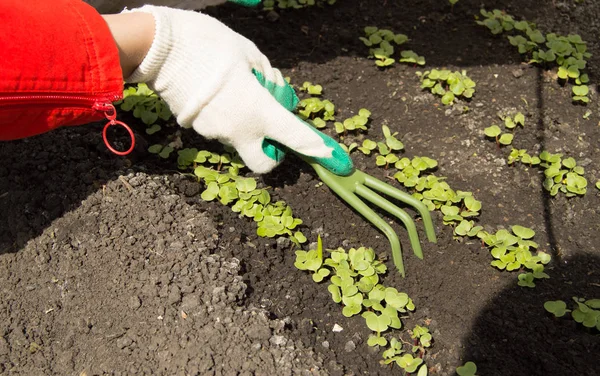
111,114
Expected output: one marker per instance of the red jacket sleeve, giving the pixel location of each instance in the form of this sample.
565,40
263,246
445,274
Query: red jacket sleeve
59,65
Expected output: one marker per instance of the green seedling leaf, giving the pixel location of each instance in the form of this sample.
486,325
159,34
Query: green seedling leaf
400,39
448,98
509,123
463,228
580,90
492,131
569,162
300,237
315,89
506,139
153,129
245,184
155,149
409,363
557,307
376,341
593,303
523,232
375,322
396,299
211,192
526,280
469,369
335,293
472,204
319,123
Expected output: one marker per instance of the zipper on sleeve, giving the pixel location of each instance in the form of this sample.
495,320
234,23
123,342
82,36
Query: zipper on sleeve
103,105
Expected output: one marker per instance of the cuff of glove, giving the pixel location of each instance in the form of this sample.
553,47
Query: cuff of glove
161,46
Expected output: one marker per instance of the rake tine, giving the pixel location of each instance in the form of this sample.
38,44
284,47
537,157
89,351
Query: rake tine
345,191
387,189
386,205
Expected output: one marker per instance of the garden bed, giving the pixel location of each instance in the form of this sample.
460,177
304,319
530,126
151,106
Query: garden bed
116,265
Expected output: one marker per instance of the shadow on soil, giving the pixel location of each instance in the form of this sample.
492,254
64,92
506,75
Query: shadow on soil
556,346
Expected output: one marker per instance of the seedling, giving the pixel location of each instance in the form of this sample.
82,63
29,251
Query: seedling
315,109
162,151
511,251
586,312
367,146
447,84
562,175
356,122
422,335
557,307
569,52
495,132
521,155
511,122
146,105
409,56
468,369
273,219
381,48
312,89
349,148
312,260
354,281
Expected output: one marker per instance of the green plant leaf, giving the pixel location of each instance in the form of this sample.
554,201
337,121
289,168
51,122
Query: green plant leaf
506,139
448,98
155,149
580,90
463,228
211,192
375,322
492,131
376,341
335,292
468,369
472,204
523,232
526,280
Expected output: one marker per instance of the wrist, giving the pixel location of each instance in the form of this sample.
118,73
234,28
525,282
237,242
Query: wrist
133,33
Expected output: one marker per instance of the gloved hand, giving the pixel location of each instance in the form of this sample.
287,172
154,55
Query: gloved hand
219,83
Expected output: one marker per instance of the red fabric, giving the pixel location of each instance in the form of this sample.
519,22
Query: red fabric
58,60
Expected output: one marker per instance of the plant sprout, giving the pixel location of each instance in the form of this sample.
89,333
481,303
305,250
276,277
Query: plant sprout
557,307
146,105
586,312
356,122
447,84
562,175
312,89
468,369
381,47
495,132
568,53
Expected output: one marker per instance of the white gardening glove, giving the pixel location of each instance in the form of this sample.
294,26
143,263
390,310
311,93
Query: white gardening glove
115,6
219,83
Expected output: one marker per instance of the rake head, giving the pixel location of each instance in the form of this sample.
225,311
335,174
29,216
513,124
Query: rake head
359,185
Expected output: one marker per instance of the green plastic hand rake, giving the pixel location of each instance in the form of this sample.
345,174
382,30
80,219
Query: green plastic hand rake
350,187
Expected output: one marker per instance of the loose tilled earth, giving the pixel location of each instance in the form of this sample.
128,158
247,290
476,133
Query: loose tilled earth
114,265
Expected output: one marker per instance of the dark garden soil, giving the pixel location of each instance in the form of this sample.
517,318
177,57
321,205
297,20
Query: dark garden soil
114,265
